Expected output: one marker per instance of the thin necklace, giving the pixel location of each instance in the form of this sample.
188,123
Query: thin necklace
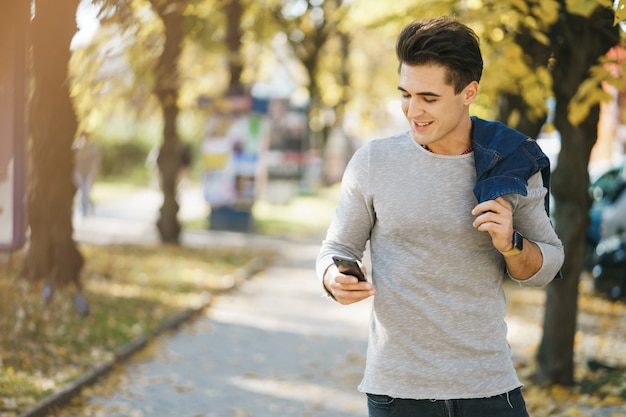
468,150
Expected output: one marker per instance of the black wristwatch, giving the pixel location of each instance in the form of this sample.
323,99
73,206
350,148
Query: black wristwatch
518,244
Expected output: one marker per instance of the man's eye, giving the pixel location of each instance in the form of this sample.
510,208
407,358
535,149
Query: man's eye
430,99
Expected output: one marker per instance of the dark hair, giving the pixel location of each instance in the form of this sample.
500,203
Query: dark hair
443,41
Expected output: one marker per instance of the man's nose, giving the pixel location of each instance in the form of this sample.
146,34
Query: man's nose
414,108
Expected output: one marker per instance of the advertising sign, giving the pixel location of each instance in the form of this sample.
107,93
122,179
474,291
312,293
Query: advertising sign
231,150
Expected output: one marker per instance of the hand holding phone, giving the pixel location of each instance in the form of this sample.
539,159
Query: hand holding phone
349,266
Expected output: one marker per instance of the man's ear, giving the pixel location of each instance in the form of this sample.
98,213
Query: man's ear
470,92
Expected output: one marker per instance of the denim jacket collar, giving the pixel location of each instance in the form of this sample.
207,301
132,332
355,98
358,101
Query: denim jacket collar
505,160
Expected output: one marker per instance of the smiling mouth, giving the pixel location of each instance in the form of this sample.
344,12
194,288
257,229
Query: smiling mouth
424,124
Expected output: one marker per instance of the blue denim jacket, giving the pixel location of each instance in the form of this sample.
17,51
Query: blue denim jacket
505,160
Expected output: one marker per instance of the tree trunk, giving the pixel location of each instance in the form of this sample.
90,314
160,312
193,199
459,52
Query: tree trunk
509,103
52,254
578,42
234,11
166,89
569,185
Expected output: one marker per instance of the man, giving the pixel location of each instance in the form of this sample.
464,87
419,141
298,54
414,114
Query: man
447,208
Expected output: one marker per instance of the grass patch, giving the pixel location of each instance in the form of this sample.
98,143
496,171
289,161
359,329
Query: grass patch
304,215
131,290
103,192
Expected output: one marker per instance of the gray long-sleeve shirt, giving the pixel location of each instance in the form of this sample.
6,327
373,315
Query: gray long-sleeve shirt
437,328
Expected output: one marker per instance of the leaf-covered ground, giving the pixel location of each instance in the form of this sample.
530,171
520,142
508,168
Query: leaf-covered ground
131,291
599,354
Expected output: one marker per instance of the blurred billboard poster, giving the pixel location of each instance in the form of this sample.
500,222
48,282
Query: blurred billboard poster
234,140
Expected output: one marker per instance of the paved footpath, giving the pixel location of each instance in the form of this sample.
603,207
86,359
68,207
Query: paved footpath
271,347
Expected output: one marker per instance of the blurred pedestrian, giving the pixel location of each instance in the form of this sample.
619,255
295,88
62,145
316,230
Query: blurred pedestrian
449,208
86,166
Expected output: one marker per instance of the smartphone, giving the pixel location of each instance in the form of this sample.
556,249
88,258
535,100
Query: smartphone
349,266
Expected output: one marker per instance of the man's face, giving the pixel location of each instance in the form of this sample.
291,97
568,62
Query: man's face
436,115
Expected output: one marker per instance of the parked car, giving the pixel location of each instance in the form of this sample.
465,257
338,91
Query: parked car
608,210
606,236
609,270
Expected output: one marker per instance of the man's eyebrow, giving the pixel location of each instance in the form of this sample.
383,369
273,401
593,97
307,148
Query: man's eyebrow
423,93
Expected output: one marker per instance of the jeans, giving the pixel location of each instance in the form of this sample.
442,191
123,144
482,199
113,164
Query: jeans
510,404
